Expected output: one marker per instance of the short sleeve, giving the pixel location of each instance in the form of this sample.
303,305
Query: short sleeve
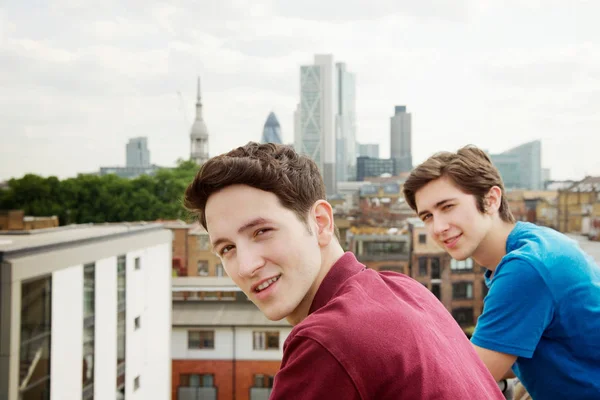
517,310
309,371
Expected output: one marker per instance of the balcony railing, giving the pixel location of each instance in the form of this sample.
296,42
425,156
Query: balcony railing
196,393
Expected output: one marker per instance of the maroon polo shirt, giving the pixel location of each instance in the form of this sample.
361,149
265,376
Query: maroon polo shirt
379,335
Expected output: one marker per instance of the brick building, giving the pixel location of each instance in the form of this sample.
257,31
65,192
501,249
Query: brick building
192,254
459,285
382,248
223,347
577,206
16,220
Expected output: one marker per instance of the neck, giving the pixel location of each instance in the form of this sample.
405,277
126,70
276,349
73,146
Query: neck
329,256
493,247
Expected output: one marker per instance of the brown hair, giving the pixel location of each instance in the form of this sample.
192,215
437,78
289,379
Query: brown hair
469,168
295,179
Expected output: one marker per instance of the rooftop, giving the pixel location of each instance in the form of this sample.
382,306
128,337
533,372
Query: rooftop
203,283
17,241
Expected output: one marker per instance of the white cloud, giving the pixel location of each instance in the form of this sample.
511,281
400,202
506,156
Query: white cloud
83,77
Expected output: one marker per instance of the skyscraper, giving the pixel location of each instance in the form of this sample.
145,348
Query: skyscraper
524,171
345,124
368,150
401,139
271,130
137,153
316,135
199,135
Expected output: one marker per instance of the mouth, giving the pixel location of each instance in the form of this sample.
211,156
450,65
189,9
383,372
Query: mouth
450,243
265,284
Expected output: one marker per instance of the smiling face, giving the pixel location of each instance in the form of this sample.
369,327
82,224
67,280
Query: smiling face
267,251
452,218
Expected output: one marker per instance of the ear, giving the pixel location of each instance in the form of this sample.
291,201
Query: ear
323,214
493,200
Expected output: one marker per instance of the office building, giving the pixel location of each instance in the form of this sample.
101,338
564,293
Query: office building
137,153
271,130
85,313
315,119
521,166
374,167
401,140
345,124
368,150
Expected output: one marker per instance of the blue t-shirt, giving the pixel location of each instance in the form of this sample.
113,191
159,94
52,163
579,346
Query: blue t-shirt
543,306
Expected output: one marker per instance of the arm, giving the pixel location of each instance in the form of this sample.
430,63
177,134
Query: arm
498,363
309,371
518,309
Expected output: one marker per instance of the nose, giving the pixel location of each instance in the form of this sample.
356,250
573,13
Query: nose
440,225
249,260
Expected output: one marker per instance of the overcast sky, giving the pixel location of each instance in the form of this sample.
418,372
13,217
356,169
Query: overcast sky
77,79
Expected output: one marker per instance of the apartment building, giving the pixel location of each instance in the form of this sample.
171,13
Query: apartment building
459,285
85,313
192,253
223,347
382,249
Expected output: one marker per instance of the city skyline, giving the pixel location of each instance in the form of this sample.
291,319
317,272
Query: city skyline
80,81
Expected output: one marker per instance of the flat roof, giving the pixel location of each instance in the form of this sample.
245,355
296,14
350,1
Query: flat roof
200,313
38,239
203,283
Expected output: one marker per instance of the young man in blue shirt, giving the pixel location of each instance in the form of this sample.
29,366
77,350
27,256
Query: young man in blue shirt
541,316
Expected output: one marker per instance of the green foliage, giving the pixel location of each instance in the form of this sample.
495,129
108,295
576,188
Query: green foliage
109,198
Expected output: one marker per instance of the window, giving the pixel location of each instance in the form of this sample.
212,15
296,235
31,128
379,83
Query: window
203,243
202,268
422,266
462,290
196,380
382,248
121,314
464,315
220,270
263,381
460,266
137,322
435,268
422,238
89,308
265,340
435,289
36,329
136,383
138,263
201,339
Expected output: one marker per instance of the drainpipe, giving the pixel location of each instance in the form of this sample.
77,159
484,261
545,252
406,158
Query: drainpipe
233,388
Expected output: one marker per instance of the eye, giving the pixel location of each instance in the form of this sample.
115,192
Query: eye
262,231
448,206
426,217
225,249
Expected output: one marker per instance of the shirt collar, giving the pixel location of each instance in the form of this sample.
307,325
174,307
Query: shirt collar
345,267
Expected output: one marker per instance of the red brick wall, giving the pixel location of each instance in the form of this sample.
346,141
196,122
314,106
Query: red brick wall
223,377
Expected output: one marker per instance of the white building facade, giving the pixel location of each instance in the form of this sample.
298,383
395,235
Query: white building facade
85,313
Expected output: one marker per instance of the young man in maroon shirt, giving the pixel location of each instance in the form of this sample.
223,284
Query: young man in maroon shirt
358,333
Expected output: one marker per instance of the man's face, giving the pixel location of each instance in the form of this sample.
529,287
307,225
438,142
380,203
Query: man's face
266,250
452,218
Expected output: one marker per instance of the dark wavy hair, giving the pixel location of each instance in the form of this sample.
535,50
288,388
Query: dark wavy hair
294,178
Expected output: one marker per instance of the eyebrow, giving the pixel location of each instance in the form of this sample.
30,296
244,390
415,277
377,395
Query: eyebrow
249,225
437,205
